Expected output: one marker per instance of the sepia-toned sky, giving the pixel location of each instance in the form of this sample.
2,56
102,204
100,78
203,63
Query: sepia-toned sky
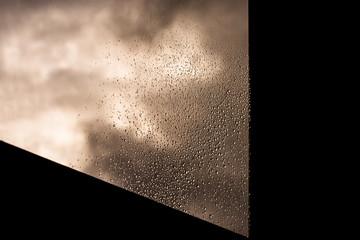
149,95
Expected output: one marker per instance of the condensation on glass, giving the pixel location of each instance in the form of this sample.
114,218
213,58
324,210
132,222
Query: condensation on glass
149,95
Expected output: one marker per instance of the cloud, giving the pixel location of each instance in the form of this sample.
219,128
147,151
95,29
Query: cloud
52,133
151,96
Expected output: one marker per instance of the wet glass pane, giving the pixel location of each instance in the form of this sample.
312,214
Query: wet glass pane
149,95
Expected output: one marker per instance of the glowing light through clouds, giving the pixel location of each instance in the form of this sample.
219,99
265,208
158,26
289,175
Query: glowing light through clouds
151,96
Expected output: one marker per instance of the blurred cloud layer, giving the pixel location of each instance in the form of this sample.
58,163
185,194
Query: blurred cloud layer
151,96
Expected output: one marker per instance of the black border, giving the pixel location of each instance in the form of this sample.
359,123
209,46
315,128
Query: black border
265,119
261,225
41,197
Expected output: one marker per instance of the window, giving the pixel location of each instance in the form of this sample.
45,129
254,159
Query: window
151,96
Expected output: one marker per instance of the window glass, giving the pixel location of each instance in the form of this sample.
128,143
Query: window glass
148,95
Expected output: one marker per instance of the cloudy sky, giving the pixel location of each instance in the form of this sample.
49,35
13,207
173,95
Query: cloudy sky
149,95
